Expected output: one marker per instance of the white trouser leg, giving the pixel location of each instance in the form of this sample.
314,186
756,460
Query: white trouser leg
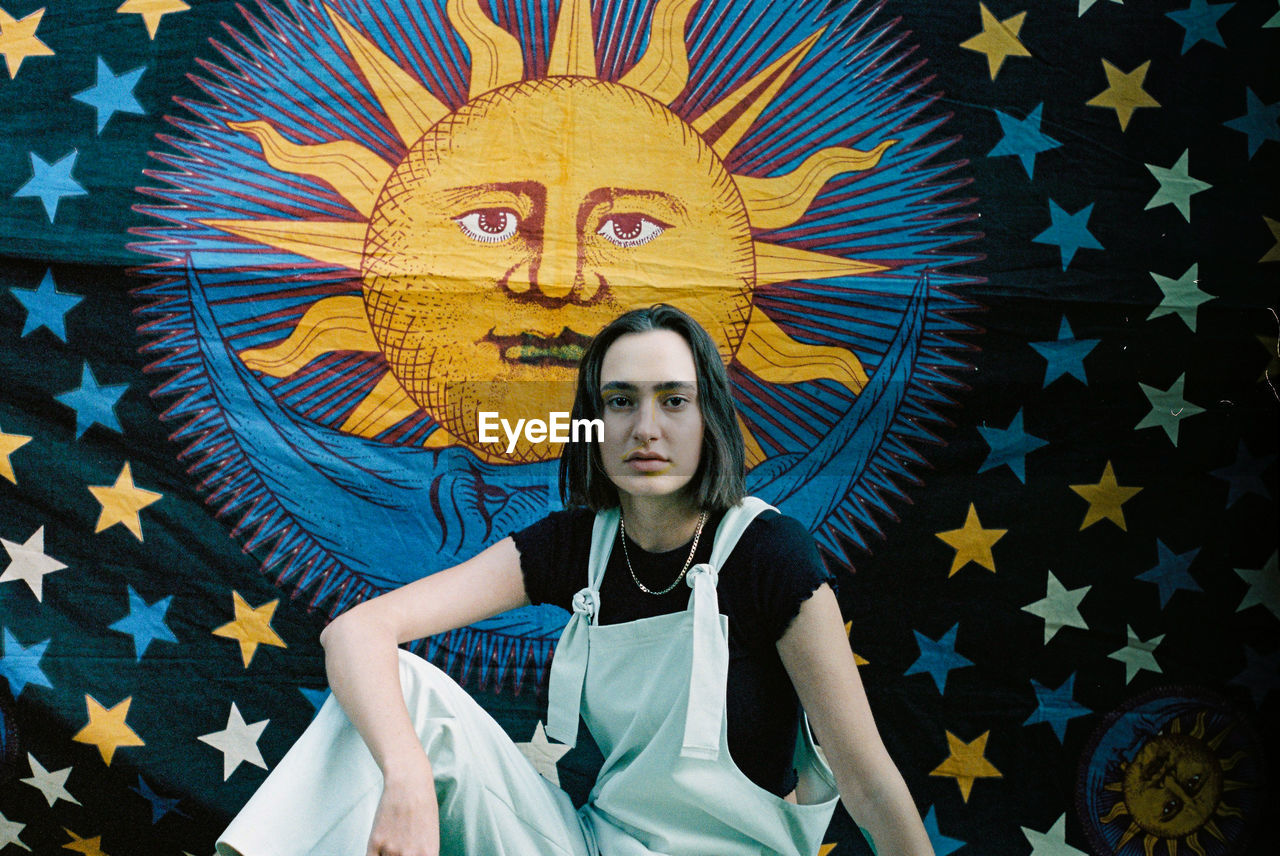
321,797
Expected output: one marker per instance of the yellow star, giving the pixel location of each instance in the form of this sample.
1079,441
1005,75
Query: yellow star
1271,373
998,39
152,11
858,659
121,503
10,443
251,627
1105,499
825,849
1124,92
107,729
1273,254
18,40
972,543
87,846
966,764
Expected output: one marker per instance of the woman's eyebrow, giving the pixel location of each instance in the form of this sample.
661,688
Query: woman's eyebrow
660,386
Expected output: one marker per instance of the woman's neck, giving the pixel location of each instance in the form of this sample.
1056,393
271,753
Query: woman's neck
659,524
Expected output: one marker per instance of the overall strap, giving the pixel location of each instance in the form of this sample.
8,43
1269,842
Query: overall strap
569,666
709,672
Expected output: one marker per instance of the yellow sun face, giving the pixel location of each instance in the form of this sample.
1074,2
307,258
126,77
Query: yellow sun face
519,226
522,222
1173,785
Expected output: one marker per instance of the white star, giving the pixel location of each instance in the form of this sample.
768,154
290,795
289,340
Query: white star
237,742
1137,654
29,563
52,785
9,832
1060,607
1264,586
543,754
1053,842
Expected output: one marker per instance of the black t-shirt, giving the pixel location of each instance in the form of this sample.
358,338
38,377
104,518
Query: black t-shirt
774,568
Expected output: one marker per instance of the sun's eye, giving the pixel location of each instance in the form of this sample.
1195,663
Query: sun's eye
489,225
630,230
1171,808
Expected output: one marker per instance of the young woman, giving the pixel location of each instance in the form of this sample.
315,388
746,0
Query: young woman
705,642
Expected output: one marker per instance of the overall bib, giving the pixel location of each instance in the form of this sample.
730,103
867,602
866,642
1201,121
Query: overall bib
653,695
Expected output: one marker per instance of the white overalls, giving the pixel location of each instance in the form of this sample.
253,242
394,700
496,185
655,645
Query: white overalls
651,691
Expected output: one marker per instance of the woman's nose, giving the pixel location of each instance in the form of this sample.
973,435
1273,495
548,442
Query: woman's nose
645,426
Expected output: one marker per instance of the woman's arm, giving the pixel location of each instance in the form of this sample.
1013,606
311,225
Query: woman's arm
363,669
815,652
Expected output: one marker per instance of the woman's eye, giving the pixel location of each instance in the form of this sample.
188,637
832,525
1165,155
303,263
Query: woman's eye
630,230
617,402
677,401
489,225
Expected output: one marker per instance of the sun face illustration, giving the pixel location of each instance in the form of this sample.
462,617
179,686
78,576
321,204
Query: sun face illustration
519,223
1172,792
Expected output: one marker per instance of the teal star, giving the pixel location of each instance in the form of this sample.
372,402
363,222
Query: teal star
1085,6
1182,296
21,666
1009,446
1260,675
1023,138
1056,707
1274,20
1065,356
46,307
145,623
160,806
1172,572
112,93
942,845
1200,20
93,403
1051,842
1068,232
51,182
938,657
1244,475
1260,122
1168,408
315,696
1176,186
1264,586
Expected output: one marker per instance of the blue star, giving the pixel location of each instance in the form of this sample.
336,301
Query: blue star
1260,675
1260,122
316,697
1023,138
1245,475
1066,355
112,93
1200,20
1056,707
51,182
938,658
160,806
145,623
942,845
1171,572
1010,446
93,403
21,666
1069,232
46,307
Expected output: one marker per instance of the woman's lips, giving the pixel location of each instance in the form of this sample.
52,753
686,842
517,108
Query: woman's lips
647,463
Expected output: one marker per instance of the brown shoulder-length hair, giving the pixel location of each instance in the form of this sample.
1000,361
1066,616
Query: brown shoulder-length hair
720,480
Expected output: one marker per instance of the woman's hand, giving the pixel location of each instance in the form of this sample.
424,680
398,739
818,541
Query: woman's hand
407,822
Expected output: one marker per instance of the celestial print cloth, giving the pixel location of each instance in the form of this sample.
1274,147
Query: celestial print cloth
995,284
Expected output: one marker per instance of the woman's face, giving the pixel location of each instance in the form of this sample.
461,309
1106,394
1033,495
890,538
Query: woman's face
652,418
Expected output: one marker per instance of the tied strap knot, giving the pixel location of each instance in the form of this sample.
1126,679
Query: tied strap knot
569,669
703,570
708,670
586,603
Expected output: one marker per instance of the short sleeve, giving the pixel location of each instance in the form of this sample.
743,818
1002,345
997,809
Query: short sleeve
788,569
553,556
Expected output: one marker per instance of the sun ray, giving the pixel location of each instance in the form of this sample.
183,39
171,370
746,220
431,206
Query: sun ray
663,72
773,356
1216,741
1149,845
1193,841
1212,828
1175,727
410,107
348,167
773,203
496,59
1197,731
573,51
1234,785
779,263
331,324
1133,830
336,242
725,123
384,406
1224,810
1236,758
1117,810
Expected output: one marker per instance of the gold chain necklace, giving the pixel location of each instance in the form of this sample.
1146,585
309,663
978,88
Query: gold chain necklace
697,533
